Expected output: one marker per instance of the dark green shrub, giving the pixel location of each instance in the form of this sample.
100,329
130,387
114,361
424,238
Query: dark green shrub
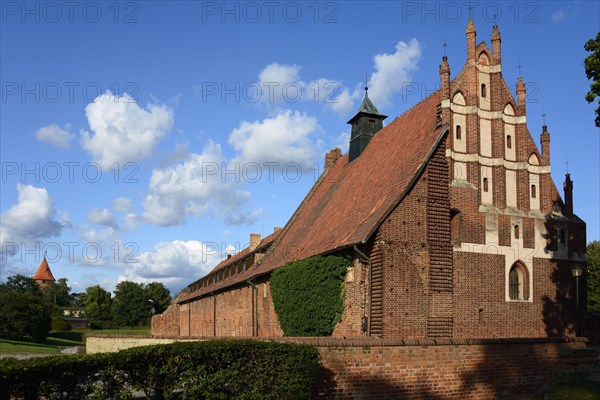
308,295
199,370
59,324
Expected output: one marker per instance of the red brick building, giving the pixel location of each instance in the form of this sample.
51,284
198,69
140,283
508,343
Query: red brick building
454,224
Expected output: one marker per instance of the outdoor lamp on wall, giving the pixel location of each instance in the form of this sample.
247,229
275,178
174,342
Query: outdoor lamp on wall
577,270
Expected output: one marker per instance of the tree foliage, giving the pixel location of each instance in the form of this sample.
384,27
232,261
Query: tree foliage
592,71
97,307
159,295
23,316
57,293
593,280
132,305
22,284
308,295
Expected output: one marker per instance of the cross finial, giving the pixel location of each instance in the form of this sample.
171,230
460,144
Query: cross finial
45,253
366,81
445,45
470,12
519,66
567,164
495,18
544,116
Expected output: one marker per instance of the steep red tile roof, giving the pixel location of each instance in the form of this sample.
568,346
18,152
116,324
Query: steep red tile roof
349,200
43,272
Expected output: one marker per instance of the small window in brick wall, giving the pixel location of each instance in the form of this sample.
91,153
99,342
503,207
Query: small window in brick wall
485,184
517,283
517,235
509,142
533,192
483,90
458,132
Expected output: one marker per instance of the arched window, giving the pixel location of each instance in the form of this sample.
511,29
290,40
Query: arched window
518,285
509,142
483,90
517,231
485,184
458,132
533,192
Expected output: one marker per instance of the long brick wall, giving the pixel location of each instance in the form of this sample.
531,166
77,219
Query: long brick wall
366,368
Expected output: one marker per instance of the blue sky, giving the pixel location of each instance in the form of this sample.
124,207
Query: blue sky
146,140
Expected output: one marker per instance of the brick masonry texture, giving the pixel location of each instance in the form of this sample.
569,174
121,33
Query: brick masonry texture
367,368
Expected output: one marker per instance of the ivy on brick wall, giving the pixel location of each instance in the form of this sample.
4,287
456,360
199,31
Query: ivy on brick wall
308,295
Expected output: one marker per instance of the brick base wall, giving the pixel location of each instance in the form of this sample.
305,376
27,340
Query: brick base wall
416,369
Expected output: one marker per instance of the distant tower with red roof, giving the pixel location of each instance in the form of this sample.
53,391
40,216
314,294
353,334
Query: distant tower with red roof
43,274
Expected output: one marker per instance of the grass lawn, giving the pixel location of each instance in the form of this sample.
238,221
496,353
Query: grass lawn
121,331
56,340
50,346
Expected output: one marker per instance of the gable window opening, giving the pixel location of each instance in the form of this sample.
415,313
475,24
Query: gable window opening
517,232
509,142
485,184
483,90
533,192
458,132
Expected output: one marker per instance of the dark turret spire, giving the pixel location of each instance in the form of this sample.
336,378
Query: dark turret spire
367,121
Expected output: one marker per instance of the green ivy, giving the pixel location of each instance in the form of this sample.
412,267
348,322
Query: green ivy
217,369
308,295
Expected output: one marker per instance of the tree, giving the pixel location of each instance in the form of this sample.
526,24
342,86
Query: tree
593,281
22,284
592,71
159,296
57,292
23,316
132,305
97,307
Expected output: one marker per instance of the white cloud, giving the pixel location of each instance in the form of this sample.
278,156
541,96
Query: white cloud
175,263
570,11
343,104
123,131
282,83
196,186
343,141
32,218
123,204
558,16
278,79
285,138
55,135
102,217
393,71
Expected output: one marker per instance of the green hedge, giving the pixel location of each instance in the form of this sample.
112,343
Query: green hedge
308,295
219,369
